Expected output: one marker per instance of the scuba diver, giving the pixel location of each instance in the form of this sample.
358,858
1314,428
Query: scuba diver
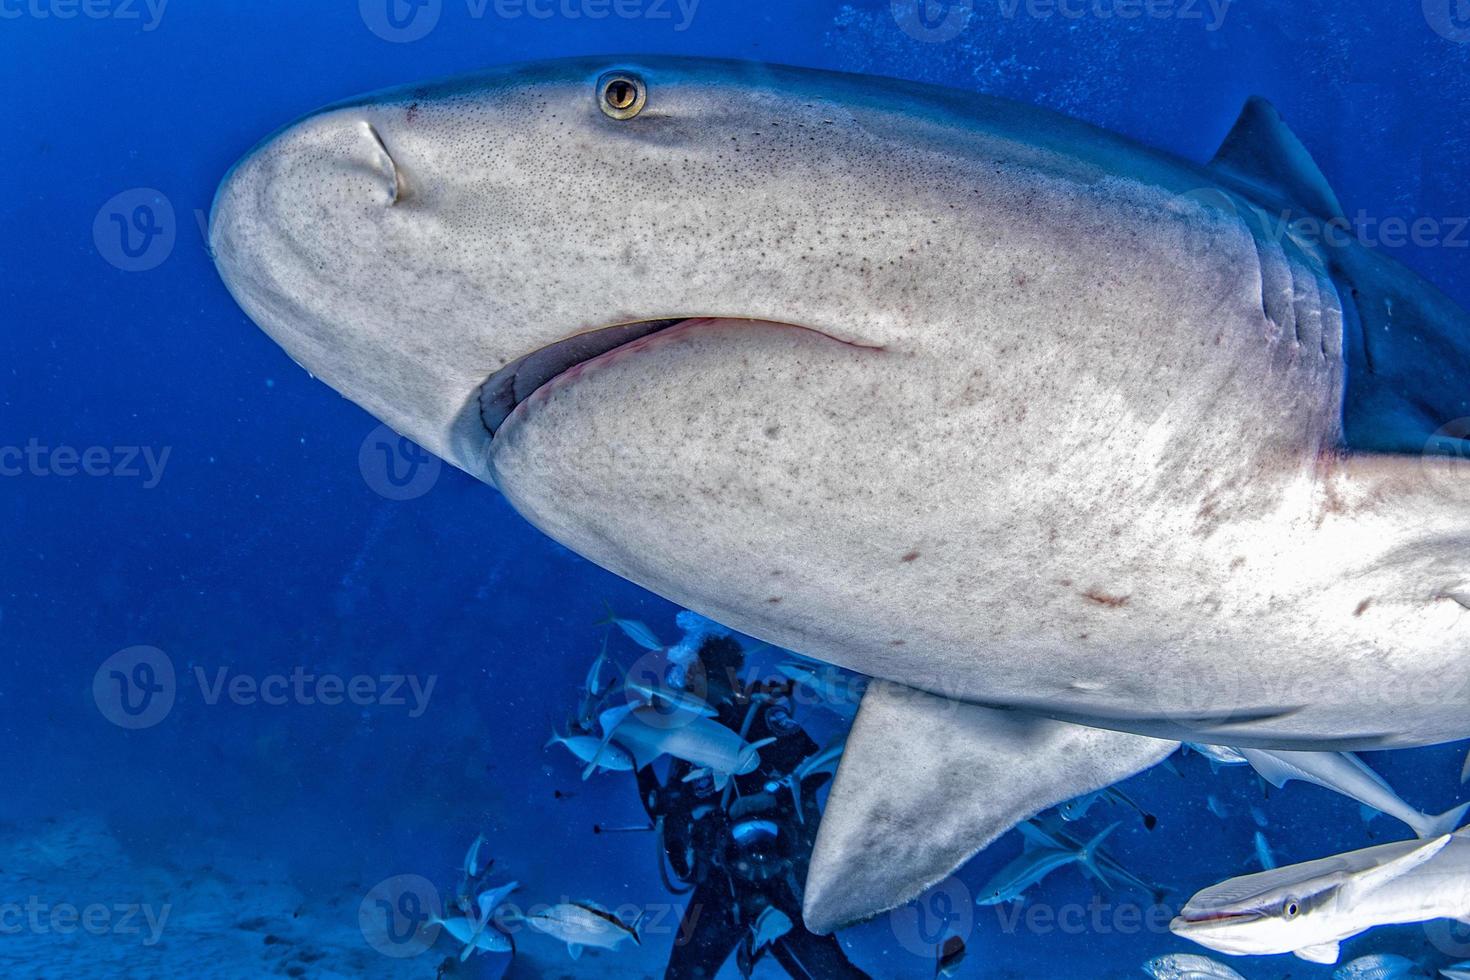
741,853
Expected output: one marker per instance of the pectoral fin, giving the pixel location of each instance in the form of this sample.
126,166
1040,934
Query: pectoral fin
1327,953
926,783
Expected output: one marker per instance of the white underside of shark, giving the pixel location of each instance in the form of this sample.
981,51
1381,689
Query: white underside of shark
1043,429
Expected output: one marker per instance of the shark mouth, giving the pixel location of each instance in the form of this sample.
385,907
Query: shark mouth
506,389
518,380
1201,918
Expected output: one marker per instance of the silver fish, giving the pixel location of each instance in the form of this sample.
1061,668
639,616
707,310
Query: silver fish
1379,966
582,924
636,631
1188,966
474,936
1263,852
596,753
472,866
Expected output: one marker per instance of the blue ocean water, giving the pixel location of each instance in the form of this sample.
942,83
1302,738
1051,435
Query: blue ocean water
174,482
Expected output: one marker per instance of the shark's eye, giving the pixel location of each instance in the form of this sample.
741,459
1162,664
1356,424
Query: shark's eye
1291,909
621,94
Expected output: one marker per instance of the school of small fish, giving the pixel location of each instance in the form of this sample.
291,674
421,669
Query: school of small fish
623,723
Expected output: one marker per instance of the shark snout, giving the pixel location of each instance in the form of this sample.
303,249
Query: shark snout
325,234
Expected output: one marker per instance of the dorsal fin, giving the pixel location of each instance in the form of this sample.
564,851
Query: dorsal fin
1263,152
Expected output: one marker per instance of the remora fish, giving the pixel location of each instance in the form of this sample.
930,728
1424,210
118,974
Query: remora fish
974,413
1187,966
1310,909
1345,773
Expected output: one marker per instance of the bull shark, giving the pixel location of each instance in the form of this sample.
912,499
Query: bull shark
1077,448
